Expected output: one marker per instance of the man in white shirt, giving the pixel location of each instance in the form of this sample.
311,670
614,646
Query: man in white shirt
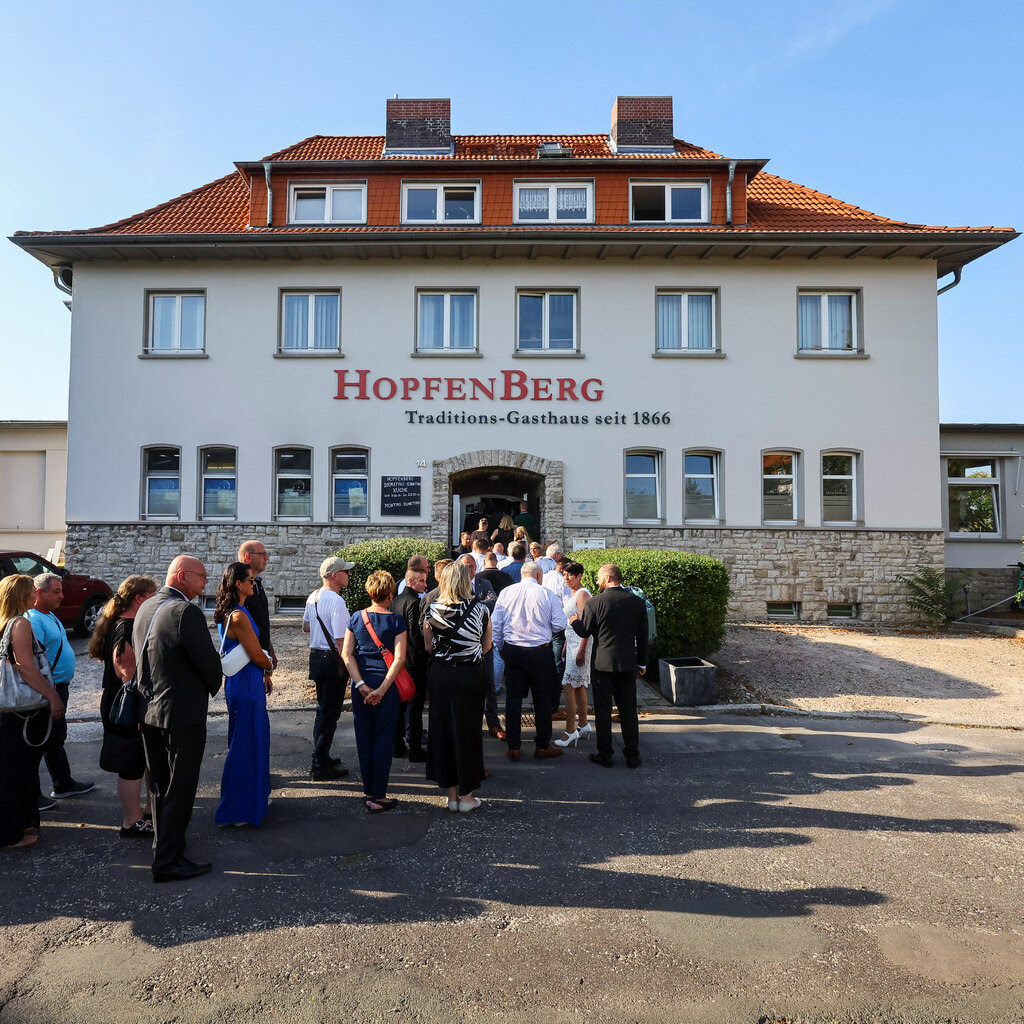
526,616
325,620
549,560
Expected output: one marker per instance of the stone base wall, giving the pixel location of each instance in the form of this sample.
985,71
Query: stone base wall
813,567
987,587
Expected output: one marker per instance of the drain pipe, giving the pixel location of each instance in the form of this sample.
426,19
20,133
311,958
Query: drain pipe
63,278
270,191
728,193
956,280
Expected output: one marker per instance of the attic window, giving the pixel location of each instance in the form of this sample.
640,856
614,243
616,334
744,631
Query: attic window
551,148
669,202
327,204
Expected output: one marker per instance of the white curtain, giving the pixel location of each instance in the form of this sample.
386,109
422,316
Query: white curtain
670,322
296,321
809,315
325,321
840,321
698,321
431,321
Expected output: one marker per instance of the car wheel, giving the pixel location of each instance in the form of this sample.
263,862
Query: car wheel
90,613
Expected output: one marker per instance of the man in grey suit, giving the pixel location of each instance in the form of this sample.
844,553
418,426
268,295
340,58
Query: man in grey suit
178,672
617,620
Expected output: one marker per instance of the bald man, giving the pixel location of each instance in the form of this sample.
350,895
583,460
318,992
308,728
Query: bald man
254,554
178,671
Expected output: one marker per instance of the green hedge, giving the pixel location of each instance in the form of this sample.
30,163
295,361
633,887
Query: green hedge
391,554
689,594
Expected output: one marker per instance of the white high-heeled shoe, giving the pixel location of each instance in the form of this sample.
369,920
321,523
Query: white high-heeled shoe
569,740
584,731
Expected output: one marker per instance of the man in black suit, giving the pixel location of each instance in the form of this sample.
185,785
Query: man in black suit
178,671
617,620
254,554
409,606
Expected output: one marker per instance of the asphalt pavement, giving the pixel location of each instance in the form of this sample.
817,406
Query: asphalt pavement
754,869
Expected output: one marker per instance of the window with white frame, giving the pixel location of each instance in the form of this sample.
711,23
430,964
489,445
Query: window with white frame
700,486
972,487
686,321
445,321
293,483
161,483
671,202
310,321
218,495
827,321
341,203
560,202
177,322
350,480
441,203
643,486
839,497
778,487
546,321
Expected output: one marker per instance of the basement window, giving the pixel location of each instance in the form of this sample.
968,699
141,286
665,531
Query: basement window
783,609
843,611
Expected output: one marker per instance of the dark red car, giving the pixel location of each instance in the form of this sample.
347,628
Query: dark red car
84,596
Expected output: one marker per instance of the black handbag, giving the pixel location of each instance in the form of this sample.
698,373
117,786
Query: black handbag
128,708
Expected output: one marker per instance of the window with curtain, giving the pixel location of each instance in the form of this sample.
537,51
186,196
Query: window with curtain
293,483
327,204
686,322
350,483
554,201
446,321
827,321
839,487
546,321
177,322
778,487
161,483
700,486
310,321
642,486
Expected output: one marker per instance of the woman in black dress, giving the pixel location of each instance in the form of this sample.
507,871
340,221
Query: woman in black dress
457,629
113,644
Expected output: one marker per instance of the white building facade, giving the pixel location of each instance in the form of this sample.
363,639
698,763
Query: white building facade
654,345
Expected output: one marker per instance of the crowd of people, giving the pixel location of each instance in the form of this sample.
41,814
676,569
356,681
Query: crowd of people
521,619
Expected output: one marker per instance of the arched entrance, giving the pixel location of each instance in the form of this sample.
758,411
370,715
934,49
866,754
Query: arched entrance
496,480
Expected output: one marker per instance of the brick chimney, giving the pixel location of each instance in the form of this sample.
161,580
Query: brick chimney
642,122
419,124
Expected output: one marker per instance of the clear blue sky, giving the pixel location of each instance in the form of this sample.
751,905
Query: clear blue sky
909,108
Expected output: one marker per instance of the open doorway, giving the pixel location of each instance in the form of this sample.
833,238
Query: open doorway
491,492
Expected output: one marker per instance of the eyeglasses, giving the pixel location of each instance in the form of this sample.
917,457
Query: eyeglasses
201,575
248,579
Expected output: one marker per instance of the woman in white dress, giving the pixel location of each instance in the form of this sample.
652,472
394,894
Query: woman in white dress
577,661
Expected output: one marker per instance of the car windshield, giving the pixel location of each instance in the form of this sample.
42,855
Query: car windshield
28,565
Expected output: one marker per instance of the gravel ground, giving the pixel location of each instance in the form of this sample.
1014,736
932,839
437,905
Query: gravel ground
967,678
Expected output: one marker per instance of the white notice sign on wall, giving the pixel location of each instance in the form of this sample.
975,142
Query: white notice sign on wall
583,510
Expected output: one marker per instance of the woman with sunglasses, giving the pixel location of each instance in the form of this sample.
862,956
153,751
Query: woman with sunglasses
245,784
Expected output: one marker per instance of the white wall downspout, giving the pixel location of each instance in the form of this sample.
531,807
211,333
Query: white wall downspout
728,194
270,192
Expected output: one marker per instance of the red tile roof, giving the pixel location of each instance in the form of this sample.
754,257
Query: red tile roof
222,206
473,147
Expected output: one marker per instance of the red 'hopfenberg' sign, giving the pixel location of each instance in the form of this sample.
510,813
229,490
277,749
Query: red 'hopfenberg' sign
509,386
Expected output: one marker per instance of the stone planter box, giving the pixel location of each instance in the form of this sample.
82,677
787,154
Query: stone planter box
688,682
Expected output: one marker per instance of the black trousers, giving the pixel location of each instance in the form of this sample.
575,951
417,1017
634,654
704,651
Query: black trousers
53,750
330,696
620,686
19,774
412,712
528,670
174,757
558,650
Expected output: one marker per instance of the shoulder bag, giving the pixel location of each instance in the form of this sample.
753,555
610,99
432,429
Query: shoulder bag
332,647
403,681
236,659
16,696
126,711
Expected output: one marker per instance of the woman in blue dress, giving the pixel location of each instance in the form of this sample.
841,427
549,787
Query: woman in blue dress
375,703
245,784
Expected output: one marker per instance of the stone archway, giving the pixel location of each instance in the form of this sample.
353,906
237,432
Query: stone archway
549,471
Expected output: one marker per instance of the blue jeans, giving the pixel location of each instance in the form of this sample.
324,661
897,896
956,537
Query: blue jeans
375,739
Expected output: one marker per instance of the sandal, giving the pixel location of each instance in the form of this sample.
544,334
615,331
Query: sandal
378,806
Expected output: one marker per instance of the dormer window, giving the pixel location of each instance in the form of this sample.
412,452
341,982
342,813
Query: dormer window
565,202
441,203
343,203
668,202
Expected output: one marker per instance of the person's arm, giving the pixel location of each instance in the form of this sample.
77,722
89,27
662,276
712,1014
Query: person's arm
240,629
582,597
583,623
498,624
558,621
428,635
486,639
21,648
198,645
348,656
124,661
